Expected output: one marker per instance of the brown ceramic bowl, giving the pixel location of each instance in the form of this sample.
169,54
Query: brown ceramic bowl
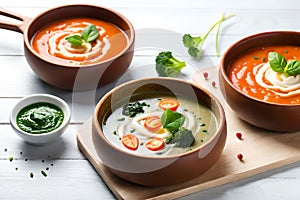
271,116
85,77
157,170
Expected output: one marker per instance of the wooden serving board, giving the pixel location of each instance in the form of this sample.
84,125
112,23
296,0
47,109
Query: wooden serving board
262,150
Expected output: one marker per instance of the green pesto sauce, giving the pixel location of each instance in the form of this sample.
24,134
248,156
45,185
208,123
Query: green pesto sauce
40,118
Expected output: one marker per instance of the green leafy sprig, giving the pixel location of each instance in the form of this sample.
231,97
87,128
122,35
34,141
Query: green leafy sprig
172,120
88,34
278,63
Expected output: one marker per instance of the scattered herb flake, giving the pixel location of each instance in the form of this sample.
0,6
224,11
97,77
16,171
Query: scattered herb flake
31,175
114,132
255,57
132,130
204,131
10,158
263,59
121,119
201,125
26,159
47,168
44,173
16,169
285,51
5,150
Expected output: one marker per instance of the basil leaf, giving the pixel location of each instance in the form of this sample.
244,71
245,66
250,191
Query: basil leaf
172,120
90,33
277,61
75,40
293,68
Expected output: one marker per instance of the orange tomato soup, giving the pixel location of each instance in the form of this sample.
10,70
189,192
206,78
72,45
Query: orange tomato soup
51,44
251,74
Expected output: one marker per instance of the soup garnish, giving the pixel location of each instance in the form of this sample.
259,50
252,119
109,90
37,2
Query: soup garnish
156,131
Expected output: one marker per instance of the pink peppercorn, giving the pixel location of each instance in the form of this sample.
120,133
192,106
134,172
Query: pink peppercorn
213,83
205,75
240,156
239,135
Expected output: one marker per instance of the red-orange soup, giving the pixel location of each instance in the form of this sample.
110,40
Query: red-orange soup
51,44
251,74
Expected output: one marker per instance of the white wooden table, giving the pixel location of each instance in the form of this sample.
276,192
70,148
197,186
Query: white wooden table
157,22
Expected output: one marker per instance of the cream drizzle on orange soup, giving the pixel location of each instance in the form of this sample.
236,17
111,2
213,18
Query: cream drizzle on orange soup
50,42
252,74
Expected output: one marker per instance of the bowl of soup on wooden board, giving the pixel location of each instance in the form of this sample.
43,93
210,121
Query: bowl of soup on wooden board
76,47
260,79
158,131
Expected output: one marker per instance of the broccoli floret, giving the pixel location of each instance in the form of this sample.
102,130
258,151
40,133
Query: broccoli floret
181,138
168,65
194,44
190,41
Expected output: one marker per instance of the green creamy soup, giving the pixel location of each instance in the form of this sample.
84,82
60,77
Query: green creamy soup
139,128
40,118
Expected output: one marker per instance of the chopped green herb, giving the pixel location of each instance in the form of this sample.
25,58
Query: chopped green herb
142,143
52,164
26,159
185,110
44,173
16,169
104,123
205,131
31,175
121,119
201,125
5,150
132,130
47,168
159,99
201,140
263,59
255,57
10,158
132,109
285,51
115,132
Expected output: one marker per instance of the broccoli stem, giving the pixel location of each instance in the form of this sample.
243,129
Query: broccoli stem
223,18
217,36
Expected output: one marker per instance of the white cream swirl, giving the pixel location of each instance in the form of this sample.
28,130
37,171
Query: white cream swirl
280,83
78,55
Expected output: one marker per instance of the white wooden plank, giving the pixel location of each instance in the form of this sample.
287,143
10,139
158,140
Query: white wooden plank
66,179
12,145
261,5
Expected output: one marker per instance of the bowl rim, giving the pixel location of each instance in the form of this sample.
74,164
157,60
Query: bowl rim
122,17
35,98
221,122
238,42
